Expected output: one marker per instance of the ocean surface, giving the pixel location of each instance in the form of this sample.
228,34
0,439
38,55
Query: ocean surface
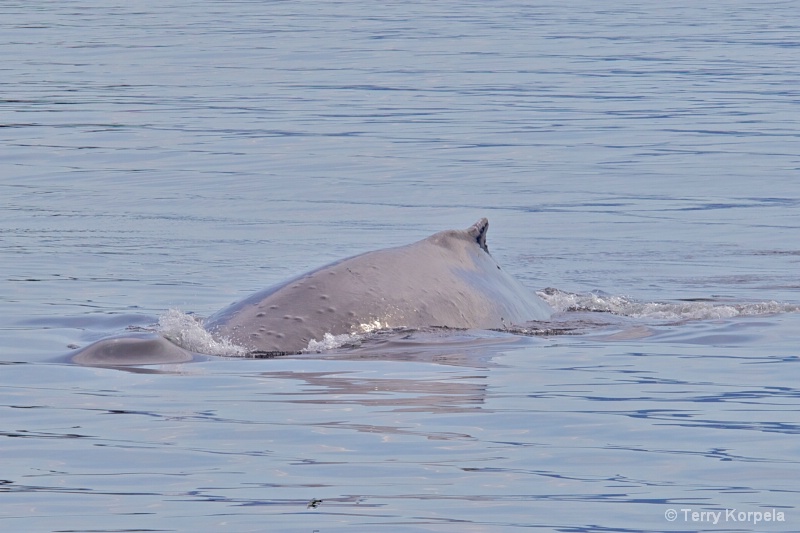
639,163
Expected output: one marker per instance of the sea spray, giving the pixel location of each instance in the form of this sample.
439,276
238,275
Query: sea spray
187,332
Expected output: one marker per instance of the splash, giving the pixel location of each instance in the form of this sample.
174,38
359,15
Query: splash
187,332
562,301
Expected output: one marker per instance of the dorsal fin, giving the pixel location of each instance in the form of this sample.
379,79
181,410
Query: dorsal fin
478,232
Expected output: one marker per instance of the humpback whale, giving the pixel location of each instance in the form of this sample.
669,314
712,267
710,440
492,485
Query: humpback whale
447,280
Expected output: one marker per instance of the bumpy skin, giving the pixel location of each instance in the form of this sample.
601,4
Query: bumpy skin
448,279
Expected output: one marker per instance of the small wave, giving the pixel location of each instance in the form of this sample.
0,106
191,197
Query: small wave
562,301
187,332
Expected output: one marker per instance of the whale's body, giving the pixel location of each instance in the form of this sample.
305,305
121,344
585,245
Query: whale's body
448,279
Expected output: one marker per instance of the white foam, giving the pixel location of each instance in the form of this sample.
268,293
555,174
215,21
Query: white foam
562,301
374,325
187,332
331,342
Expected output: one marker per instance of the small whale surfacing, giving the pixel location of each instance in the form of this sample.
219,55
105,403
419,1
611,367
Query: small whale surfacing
447,280
132,349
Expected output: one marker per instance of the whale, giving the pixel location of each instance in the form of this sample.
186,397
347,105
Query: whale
447,280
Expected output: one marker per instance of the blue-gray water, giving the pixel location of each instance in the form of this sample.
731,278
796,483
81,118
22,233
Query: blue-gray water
158,155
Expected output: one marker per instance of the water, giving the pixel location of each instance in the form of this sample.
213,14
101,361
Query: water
635,158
